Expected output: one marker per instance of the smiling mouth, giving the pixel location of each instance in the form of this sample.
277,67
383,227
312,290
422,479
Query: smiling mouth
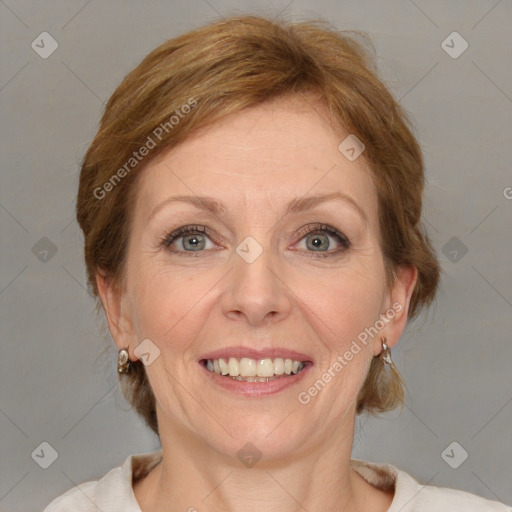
254,370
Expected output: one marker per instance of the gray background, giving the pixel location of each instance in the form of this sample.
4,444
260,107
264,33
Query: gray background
58,364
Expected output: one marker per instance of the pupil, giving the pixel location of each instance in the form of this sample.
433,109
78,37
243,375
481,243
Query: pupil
316,241
193,241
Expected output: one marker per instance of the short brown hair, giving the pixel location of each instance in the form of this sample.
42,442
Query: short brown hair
222,68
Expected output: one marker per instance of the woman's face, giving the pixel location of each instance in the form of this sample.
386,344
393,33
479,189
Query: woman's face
249,281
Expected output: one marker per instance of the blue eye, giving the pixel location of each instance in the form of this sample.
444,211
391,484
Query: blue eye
317,236
195,238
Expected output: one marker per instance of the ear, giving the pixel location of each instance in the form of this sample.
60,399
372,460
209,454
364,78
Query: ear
117,313
397,305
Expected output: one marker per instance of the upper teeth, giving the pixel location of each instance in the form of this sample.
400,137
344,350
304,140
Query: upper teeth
247,367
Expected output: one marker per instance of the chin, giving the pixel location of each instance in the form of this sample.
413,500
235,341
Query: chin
265,438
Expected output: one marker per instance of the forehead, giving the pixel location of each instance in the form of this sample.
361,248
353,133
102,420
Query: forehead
260,157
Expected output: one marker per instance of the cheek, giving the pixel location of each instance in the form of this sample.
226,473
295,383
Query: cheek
167,302
351,309
349,301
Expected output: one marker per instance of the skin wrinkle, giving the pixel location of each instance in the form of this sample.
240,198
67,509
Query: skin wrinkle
296,205
188,306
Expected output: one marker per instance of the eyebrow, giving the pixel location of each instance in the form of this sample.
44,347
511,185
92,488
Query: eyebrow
296,205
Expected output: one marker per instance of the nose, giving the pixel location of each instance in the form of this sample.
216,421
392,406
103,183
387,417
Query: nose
256,290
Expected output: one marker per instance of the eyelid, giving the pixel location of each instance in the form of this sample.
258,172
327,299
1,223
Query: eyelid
319,227
170,237
343,240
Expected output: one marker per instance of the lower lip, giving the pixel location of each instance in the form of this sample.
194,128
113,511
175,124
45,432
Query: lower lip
240,387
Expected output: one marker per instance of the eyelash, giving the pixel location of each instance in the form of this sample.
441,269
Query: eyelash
169,238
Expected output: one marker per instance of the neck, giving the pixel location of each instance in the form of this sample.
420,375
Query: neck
194,476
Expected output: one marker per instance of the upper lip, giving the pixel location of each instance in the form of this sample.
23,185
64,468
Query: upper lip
260,353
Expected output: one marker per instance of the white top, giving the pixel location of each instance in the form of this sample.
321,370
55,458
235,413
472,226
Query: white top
114,492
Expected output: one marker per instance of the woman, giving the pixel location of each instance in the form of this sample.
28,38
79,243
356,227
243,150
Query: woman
251,211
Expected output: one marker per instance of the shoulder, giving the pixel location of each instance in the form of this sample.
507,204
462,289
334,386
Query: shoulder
81,498
411,496
430,498
112,492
